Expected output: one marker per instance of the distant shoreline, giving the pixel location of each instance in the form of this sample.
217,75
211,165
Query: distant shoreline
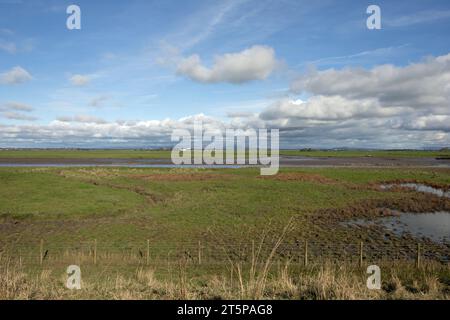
166,154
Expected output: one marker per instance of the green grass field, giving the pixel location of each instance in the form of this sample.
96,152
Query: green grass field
172,205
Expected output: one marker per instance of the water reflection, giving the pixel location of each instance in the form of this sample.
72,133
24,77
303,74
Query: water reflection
420,188
434,226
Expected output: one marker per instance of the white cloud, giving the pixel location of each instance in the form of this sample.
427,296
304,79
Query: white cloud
422,86
16,75
93,132
329,108
382,107
79,80
88,130
386,106
255,63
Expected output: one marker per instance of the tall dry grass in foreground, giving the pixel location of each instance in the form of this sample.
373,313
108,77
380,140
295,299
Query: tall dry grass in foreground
258,279
321,282
263,276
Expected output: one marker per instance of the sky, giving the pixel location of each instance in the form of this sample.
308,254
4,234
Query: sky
138,69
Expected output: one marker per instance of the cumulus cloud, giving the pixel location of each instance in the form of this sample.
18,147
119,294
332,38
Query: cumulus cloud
16,75
89,132
79,80
382,107
386,106
255,63
413,97
329,108
422,85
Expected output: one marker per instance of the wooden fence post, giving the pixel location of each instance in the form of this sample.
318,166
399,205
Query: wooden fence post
306,254
361,254
147,257
418,256
95,251
41,252
199,252
253,252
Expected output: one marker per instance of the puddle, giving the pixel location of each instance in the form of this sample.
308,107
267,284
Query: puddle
420,188
434,226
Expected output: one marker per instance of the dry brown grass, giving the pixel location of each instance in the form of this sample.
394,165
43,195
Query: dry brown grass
325,282
263,277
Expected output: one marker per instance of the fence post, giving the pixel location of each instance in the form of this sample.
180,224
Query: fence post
199,252
418,256
95,251
306,253
253,261
148,252
41,252
361,254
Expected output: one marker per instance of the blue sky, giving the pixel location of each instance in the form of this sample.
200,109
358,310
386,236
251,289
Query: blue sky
125,66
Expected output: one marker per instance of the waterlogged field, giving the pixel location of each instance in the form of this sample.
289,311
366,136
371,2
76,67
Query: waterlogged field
216,233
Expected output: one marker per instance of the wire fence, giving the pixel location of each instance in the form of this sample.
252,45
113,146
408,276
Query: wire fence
204,253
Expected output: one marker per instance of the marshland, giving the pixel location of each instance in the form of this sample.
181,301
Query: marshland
204,233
